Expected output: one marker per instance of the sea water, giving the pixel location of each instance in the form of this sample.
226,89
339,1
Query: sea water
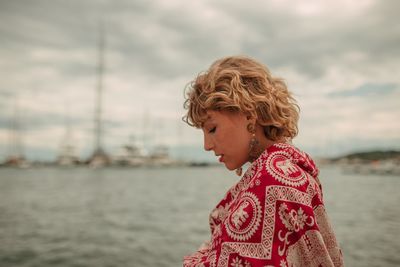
153,217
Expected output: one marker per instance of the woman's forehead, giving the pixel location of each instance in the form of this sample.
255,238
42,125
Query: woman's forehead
218,115
209,117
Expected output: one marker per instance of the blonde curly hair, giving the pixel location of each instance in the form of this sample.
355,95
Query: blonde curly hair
241,84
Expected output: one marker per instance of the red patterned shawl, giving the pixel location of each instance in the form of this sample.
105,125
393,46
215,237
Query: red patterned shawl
274,216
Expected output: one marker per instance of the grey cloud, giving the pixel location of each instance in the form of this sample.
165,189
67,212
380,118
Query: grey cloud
278,38
368,89
156,44
29,120
310,45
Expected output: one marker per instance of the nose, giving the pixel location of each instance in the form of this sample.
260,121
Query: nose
208,144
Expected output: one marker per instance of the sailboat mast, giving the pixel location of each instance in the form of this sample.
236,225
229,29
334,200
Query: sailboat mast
98,104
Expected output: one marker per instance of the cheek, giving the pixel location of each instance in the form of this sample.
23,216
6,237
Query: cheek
242,140
243,150
239,147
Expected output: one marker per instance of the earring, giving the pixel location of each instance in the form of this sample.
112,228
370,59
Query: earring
255,149
239,171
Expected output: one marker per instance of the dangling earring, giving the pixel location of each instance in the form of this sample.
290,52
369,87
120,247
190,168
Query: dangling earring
239,171
255,149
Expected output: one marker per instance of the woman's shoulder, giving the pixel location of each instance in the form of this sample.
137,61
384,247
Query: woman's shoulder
282,169
280,166
287,164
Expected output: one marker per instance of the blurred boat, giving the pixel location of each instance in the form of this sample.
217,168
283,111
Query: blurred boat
129,155
381,167
160,157
16,162
67,156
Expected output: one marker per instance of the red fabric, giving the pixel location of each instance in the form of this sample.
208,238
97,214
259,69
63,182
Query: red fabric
274,216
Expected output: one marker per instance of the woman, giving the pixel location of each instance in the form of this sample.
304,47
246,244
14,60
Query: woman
274,216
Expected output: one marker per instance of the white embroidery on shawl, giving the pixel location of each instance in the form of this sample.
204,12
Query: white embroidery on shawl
245,218
238,263
328,235
274,194
283,170
263,248
294,221
310,251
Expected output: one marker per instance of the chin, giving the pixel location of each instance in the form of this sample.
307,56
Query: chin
231,167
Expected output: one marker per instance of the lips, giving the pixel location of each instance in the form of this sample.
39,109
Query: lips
221,158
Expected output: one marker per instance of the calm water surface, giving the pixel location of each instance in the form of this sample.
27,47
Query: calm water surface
153,217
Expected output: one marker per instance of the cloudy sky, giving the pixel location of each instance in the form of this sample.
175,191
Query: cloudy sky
340,58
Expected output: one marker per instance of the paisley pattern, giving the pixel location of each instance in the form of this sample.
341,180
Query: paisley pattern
274,216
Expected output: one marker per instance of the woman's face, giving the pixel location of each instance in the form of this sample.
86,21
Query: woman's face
226,134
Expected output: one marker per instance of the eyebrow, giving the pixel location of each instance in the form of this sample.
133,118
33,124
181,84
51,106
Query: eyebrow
208,121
